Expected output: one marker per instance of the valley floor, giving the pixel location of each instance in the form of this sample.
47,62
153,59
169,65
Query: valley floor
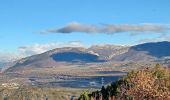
59,83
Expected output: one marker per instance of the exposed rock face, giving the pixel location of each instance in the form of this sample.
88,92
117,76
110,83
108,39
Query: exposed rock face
108,51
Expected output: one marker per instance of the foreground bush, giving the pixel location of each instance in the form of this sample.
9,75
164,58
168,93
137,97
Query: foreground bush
145,84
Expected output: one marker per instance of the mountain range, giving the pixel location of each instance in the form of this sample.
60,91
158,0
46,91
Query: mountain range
158,52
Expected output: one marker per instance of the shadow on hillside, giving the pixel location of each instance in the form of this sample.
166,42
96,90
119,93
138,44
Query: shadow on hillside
74,57
159,49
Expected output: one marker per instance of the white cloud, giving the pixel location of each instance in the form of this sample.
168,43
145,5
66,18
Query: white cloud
36,48
163,37
109,29
8,57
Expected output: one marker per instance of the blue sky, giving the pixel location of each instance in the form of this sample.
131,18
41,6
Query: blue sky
21,21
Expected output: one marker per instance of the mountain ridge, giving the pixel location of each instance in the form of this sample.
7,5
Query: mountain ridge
97,54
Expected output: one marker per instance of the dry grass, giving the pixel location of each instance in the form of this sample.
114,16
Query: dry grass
32,93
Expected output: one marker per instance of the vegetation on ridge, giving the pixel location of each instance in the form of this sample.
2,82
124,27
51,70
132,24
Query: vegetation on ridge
145,84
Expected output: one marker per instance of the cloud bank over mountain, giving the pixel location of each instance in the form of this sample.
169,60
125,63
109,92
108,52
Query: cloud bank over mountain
37,48
8,57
